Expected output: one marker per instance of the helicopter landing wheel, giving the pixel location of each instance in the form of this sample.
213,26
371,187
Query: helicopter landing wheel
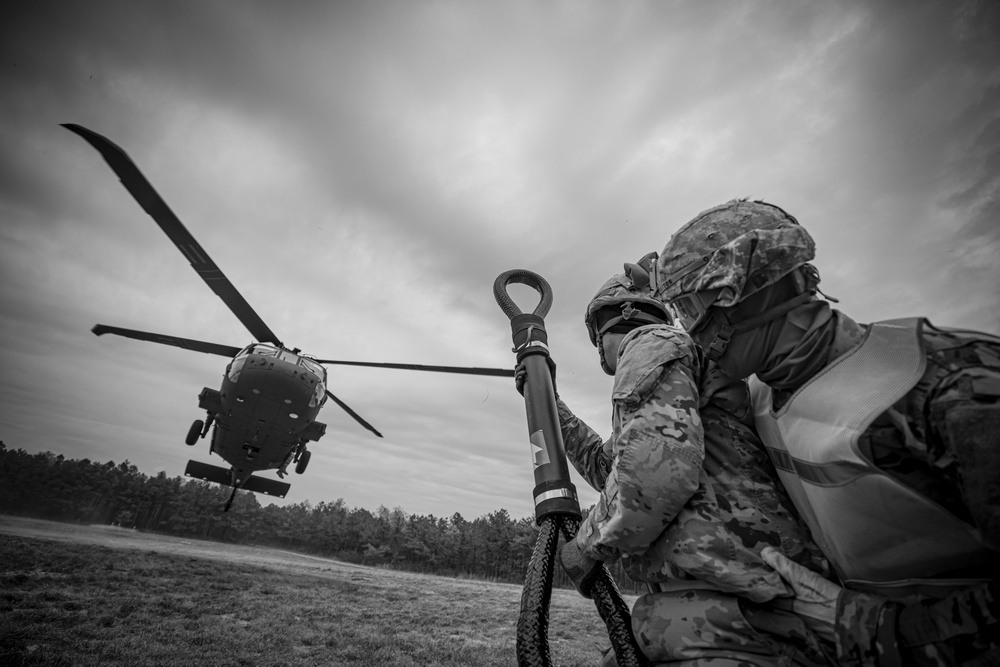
194,432
300,467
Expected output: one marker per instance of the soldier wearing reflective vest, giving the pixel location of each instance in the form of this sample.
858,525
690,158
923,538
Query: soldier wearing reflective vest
688,497
885,435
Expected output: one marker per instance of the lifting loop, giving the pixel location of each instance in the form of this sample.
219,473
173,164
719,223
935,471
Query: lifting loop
524,277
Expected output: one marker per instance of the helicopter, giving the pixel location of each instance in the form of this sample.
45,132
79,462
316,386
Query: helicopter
264,414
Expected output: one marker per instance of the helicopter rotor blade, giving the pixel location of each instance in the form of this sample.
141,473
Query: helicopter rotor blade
466,370
157,208
354,414
176,341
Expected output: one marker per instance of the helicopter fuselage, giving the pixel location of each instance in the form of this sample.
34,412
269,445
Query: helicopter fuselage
265,412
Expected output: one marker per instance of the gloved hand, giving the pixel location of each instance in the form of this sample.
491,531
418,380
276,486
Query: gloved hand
815,597
580,568
521,374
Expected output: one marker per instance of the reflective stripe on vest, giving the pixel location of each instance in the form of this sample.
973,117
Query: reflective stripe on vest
873,528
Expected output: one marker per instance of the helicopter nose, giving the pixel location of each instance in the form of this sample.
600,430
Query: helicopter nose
277,387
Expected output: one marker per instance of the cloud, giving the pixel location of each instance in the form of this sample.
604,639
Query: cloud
363,172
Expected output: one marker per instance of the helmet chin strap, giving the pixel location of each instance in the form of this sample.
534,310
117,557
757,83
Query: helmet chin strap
600,351
598,341
728,326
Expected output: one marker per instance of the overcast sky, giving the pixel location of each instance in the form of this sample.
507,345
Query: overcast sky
363,171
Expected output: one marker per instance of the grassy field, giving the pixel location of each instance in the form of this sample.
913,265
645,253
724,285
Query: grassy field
72,595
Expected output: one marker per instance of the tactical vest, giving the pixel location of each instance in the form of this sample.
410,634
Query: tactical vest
879,534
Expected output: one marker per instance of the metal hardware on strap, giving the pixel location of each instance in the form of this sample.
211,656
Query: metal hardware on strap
533,343
555,493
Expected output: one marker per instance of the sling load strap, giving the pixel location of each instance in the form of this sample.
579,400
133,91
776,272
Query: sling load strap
557,509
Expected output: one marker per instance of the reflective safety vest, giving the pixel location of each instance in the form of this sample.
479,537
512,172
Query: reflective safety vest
879,534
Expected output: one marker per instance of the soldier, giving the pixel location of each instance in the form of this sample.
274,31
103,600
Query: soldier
688,496
885,435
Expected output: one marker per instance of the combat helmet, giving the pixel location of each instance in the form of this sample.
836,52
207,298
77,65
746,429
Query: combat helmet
626,301
729,253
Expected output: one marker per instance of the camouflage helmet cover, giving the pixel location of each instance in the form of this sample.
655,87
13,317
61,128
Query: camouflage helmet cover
737,248
634,301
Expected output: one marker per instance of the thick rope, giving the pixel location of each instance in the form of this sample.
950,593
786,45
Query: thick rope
612,609
533,622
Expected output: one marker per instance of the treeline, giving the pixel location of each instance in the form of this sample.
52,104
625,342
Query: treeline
494,547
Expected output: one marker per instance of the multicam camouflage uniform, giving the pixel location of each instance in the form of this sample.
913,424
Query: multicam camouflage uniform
689,499
731,252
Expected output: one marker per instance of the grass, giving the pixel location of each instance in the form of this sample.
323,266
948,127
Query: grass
99,600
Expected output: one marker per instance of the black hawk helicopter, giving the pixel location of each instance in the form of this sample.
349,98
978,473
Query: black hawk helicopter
265,412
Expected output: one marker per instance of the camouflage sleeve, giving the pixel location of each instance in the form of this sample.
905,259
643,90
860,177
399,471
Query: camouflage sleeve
865,630
657,445
585,449
872,630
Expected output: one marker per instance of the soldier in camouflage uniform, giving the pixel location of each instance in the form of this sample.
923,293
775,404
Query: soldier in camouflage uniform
688,497
885,435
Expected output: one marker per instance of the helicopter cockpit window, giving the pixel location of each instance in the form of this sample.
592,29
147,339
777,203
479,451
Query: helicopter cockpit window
316,368
319,392
319,395
233,372
290,357
265,350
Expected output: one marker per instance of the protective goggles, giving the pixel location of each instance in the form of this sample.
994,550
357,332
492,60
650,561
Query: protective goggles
692,309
